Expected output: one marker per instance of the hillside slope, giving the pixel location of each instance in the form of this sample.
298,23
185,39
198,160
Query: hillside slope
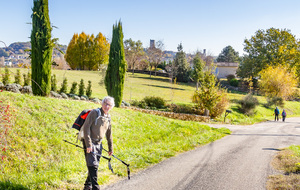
34,156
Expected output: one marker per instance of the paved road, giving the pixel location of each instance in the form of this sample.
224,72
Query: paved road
240,161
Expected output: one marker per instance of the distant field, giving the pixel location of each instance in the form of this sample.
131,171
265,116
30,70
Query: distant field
137,86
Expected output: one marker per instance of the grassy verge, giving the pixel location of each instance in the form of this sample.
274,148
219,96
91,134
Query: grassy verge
287,161
262,113
34,156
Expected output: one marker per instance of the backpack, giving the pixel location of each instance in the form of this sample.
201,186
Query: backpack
81,119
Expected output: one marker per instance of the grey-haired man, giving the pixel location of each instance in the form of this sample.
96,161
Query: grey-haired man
96,126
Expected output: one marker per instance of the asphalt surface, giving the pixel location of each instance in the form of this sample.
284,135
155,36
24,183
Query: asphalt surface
240,161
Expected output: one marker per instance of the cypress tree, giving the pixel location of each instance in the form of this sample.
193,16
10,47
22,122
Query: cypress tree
81,88
18,77
64,86
115,73
41,48
88,92
53,83
5,76
73,88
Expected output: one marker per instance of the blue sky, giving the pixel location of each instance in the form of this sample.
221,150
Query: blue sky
197,24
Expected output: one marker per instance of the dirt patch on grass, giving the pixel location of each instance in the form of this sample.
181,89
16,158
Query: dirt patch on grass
289,164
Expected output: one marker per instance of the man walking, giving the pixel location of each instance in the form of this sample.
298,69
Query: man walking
96,126
276,113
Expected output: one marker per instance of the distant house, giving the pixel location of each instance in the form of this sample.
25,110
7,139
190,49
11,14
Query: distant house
224,68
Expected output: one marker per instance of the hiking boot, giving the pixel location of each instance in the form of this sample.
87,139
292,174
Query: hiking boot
87,188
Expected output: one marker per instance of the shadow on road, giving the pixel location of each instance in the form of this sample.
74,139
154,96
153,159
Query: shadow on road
268,135
276,149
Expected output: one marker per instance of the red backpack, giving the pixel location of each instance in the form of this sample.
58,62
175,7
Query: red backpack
82,117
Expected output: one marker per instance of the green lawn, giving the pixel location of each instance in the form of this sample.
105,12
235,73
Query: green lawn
34,155
137,86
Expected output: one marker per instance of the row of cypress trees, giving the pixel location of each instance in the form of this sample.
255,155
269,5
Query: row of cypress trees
41,55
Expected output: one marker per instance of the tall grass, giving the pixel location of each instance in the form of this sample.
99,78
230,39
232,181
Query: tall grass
35,156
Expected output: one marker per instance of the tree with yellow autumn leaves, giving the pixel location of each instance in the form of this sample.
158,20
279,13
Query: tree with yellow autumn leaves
277,81
87,52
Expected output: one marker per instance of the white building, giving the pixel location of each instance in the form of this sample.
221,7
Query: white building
224,69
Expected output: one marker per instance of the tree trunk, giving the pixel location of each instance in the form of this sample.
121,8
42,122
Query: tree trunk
206,112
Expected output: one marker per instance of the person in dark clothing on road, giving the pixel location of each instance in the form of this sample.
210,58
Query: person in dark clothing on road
276,113
96,126
283,114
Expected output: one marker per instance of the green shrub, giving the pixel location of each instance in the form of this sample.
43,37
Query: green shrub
295,95
81,88
89,89
248,104
53,83
27,79
155,102
5,76
234,82
220,108
73,88
64,86
277,101
183,108
150,102
134,103
230,77
18,77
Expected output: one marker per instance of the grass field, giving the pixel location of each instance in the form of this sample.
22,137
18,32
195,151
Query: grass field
34,156
137,86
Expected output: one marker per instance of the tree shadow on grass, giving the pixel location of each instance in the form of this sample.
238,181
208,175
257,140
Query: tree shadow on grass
164,87
7,185
234,101
154,78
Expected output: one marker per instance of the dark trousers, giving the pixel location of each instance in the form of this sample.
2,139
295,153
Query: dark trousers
91,180
92,161
276,117
283,118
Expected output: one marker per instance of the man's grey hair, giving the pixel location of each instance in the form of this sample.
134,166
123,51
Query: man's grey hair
109,99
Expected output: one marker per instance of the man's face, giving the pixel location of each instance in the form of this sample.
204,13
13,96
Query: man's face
106,107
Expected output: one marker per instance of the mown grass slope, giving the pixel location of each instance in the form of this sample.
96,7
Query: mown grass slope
138,86
34,156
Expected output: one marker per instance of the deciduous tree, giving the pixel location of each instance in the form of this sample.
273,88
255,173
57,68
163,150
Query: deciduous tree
210,95
272,47
277,81
87,51
155,55
134,53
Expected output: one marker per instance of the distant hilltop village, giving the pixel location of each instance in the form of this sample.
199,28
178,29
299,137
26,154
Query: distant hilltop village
18,53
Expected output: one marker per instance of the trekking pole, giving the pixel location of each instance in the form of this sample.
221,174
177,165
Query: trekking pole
109,159
128,170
